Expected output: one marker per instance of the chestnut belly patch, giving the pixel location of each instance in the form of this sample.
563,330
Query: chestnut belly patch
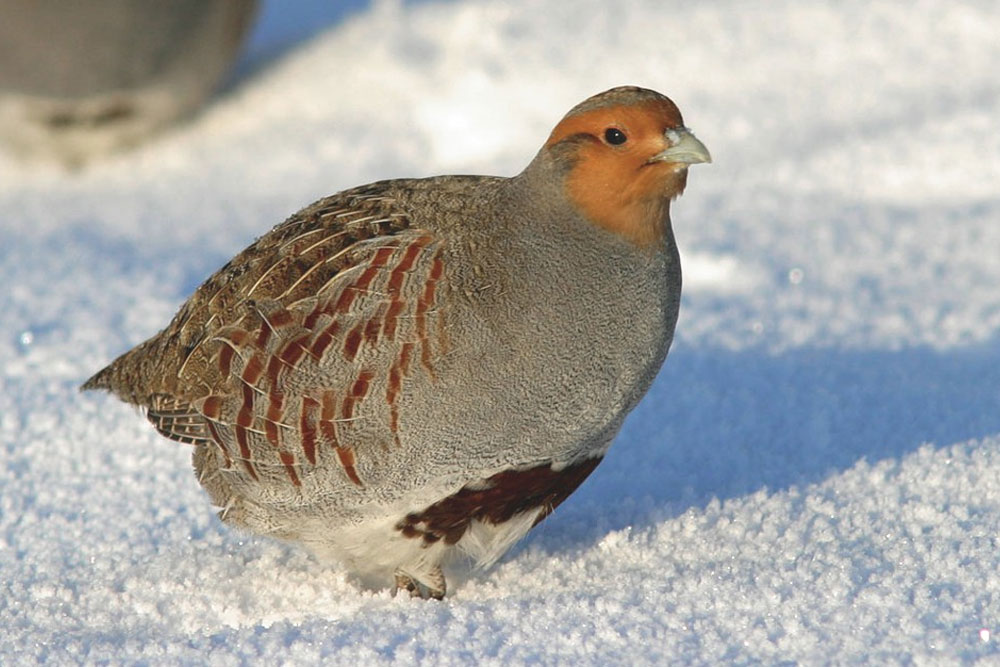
496,500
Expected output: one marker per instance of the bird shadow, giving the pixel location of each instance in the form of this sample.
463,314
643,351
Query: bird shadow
724,424
716,423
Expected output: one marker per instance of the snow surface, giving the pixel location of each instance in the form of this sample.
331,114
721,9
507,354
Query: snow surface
815,475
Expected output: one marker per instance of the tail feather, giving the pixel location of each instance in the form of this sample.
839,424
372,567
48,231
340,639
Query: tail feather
178,420
102,379
137,376
131,378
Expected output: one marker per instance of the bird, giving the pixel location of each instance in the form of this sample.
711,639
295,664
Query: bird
416,372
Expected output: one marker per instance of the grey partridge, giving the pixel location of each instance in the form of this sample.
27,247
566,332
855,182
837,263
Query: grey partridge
417,368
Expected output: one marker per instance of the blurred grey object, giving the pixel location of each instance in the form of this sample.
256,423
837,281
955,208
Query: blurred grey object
80,78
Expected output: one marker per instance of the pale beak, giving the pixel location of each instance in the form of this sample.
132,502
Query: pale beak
684,148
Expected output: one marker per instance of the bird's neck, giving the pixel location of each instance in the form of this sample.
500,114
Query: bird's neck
635,206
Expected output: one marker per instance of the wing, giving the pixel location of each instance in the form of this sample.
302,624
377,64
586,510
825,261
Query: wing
295,353
304,376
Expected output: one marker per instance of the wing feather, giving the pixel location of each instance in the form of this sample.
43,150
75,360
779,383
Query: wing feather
298,351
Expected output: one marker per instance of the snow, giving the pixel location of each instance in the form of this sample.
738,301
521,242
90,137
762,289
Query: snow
815,475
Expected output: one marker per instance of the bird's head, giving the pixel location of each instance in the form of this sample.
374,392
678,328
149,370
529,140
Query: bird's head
624,155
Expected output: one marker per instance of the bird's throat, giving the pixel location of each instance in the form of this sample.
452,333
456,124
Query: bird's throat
636,209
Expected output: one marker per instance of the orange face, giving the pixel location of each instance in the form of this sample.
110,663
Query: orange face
624,172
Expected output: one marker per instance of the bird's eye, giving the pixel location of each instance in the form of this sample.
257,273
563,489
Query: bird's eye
614,136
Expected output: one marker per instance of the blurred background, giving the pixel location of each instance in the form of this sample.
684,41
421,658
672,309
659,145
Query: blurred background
82,78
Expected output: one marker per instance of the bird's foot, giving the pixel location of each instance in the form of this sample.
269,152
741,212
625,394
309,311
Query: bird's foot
432,587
